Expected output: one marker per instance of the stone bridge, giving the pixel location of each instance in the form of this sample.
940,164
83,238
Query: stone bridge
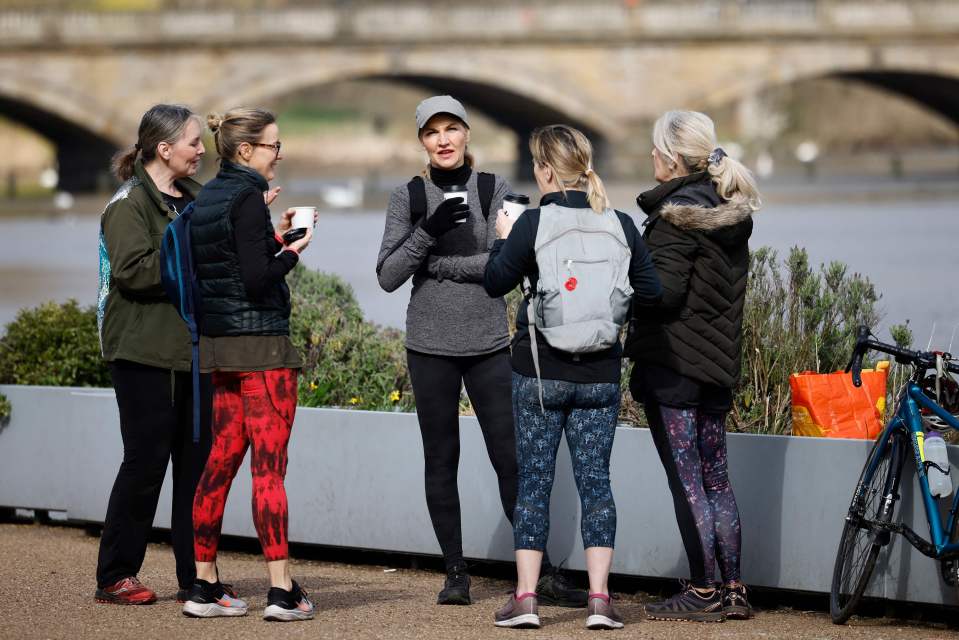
82,79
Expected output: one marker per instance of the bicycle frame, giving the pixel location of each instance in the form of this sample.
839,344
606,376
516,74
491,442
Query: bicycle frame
908,419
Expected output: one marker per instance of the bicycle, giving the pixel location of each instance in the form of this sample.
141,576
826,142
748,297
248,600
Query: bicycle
870,521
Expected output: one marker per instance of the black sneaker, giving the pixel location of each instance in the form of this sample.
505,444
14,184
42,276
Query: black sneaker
210,600
288,606
456,589
182,595
554,589
735,605
689,604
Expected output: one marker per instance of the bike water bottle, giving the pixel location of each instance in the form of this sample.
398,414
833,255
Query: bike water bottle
934,450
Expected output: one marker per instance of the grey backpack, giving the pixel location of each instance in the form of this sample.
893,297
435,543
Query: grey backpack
583,294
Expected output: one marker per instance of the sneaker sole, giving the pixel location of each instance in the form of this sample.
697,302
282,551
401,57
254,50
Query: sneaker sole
597,621
274,613
688,617
525,621
211,610
104,598
737,613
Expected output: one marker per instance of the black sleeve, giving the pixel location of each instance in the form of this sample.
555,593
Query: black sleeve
647,289
260,267
511,259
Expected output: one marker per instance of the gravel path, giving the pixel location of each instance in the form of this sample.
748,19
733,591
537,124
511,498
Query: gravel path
47,592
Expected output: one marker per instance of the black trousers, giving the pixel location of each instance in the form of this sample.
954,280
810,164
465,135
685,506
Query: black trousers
156,423
436,387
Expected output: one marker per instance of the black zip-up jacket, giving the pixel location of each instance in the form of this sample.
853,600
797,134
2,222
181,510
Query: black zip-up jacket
512,259
699,244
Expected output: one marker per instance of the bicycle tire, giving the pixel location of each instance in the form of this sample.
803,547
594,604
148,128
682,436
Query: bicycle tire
859,547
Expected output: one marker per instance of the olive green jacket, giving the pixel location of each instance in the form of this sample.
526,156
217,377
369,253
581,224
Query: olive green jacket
137,321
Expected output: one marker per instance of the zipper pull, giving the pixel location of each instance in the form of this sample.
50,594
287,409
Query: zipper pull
569,265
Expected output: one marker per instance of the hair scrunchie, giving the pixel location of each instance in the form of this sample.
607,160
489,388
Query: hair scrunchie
716,156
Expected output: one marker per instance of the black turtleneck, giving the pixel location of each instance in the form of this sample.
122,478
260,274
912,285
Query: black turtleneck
450,177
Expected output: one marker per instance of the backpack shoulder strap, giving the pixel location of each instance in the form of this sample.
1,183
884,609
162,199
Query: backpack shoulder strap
417,190
486,184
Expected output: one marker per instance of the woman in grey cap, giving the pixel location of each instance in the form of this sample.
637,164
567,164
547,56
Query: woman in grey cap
455,333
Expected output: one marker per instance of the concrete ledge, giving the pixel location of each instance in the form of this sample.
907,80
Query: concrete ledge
355,480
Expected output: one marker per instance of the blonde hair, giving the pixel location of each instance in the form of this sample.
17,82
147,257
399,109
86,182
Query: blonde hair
689,137
570,155
237,126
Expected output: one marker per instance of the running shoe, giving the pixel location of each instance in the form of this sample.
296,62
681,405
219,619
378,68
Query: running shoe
288,606
211,600
555,589
601,614
126,591
689,604
456,589
735,605
519,612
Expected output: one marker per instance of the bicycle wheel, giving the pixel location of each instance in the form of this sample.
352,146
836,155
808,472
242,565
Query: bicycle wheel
874,501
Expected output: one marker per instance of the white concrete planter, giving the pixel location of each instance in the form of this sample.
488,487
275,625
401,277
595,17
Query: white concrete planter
355,479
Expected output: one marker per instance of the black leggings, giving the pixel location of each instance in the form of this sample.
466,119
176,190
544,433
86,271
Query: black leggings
156,424
436,388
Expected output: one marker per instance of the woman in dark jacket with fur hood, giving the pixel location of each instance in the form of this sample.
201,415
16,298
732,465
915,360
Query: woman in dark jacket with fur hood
687,350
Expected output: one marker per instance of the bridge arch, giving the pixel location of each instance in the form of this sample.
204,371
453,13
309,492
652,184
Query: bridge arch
82,132
518,104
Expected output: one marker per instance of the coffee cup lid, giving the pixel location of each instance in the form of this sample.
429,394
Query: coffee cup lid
455,188
518,198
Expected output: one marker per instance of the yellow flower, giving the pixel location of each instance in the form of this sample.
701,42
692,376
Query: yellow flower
355,400
395,396
313,386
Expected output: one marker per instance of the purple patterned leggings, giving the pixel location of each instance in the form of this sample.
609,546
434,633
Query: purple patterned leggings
692,447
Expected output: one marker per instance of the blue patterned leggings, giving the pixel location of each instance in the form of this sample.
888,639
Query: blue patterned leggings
692,447
587,412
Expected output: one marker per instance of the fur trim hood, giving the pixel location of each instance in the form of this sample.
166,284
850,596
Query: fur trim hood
695,217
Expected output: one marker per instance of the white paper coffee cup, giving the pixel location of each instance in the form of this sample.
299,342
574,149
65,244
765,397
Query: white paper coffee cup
303,217
457,191
515,204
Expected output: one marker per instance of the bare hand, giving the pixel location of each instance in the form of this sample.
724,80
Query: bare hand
270,196
504,224
303,242
286,221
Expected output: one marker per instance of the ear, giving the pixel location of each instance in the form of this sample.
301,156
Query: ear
164,150
245,151
467,135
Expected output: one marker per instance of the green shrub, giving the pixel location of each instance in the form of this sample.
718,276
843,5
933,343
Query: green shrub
349,362
5,410
796,319
53,344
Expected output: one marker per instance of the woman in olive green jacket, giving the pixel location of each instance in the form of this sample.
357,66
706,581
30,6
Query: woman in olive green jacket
147,348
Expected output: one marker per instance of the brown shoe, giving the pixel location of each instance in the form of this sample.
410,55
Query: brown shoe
601,614
520,612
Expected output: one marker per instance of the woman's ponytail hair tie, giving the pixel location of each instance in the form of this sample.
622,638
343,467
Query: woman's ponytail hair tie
137,146
716,156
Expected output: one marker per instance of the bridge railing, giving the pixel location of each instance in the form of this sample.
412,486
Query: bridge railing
426,21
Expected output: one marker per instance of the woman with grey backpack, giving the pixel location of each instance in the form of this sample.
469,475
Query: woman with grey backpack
584,265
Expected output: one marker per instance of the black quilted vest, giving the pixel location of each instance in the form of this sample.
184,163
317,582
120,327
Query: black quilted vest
227,309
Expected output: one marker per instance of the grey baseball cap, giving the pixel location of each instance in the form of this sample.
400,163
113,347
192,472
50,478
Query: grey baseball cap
439,104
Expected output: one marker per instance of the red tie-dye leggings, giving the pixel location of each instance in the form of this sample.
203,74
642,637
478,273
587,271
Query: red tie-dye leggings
248,408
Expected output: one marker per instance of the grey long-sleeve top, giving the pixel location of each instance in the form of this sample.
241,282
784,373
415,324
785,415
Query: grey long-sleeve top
449,312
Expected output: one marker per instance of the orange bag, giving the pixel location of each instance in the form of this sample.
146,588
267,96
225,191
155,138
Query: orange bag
828,405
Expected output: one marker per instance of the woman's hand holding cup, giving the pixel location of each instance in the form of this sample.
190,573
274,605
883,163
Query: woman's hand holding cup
504,224
302,243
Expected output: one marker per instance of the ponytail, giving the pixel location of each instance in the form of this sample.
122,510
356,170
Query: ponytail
735,182
596,192
122,163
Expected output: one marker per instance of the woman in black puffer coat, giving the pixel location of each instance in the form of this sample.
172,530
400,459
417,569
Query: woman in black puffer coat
687,349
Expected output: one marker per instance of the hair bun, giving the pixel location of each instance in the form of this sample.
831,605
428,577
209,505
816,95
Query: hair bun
213,122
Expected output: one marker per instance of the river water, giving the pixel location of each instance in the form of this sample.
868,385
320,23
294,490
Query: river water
906,246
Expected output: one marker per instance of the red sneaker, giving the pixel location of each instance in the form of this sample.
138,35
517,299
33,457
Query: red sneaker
126,591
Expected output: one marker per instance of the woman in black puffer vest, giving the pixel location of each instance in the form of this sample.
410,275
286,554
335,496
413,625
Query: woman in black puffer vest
687,349
241,264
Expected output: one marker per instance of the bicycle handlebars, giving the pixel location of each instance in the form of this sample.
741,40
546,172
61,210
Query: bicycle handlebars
922,359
